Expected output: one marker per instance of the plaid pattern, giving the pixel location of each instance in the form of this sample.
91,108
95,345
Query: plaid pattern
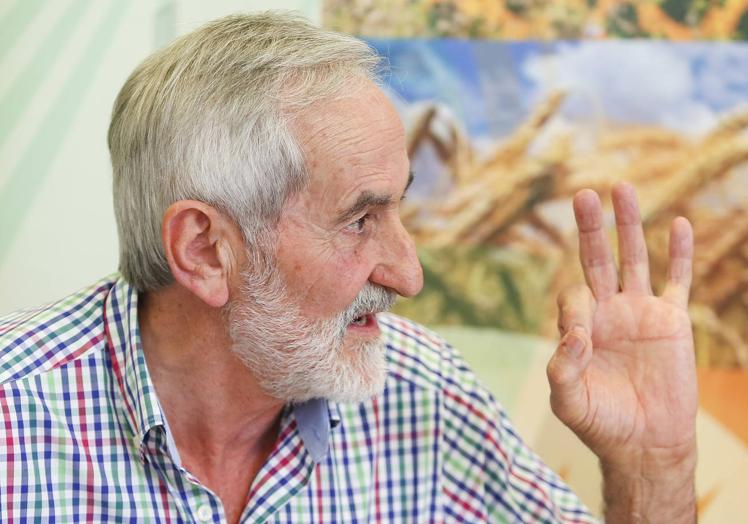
83,437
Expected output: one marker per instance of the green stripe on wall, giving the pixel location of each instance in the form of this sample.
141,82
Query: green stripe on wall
18,194
165,28
21,93
14,22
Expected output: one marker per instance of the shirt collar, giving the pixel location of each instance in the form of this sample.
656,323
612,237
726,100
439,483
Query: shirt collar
140,403
314,418
314,421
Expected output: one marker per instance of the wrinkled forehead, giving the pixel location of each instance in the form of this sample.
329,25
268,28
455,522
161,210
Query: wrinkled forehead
361,126
353,146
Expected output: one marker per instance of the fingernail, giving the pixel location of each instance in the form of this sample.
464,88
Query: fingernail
574,345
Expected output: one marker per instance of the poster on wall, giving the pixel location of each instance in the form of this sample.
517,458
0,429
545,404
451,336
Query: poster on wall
502,134
541,19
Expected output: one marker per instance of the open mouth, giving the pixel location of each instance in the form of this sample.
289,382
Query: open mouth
365,320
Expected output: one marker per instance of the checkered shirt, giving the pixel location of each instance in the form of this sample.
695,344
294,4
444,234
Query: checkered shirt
83,437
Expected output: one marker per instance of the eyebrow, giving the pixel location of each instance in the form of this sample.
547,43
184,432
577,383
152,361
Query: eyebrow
367,200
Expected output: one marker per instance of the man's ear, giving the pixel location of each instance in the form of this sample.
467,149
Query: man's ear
201,246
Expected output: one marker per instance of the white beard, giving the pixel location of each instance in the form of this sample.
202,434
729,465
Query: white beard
296,359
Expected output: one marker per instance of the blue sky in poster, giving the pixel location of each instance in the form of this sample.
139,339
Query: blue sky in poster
491,86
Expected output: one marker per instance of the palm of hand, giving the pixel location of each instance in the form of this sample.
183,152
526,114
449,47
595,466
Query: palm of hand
640,382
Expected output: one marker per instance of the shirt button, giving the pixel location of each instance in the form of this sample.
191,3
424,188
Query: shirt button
204,514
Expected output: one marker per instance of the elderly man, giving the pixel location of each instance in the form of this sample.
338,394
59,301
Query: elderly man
241,369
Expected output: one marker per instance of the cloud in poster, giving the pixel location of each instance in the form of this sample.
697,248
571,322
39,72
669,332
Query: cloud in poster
680,86
722,79
490,87
477,82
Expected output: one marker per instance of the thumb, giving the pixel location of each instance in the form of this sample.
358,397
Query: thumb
566,370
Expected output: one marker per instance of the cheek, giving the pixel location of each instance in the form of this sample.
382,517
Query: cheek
324,277
344,278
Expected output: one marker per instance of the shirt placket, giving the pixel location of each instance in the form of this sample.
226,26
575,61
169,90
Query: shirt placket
194,501
284,475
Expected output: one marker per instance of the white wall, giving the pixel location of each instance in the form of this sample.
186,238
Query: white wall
62,63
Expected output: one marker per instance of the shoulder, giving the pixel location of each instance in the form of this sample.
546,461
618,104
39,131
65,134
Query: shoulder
37,340
420,356
480,458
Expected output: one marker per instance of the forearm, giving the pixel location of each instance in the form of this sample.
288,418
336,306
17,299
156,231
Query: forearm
650,488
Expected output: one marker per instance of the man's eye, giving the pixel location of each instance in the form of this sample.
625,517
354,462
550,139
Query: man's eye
359,225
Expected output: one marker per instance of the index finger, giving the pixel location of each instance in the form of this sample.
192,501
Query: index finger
594,249
576,308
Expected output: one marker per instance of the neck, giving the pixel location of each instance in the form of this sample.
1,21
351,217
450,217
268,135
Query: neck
216,411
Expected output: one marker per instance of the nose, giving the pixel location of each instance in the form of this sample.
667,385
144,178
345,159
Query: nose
398,267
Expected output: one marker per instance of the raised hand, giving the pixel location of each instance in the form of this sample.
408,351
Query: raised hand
623,377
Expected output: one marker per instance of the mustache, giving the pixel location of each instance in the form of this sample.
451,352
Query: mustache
371,299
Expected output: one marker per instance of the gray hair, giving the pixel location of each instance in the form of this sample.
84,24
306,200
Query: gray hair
208,118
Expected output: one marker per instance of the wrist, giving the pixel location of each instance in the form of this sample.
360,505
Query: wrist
651,486
653,462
